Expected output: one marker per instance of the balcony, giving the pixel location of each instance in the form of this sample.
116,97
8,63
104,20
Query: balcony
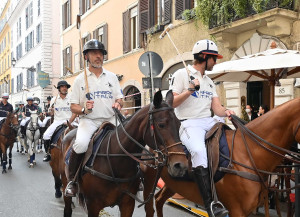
226,14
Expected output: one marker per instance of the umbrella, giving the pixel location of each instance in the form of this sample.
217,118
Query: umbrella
270,65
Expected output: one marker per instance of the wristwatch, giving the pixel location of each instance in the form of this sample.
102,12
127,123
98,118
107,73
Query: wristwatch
83,110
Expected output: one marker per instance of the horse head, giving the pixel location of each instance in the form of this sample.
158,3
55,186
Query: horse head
162,134
34,119
12,121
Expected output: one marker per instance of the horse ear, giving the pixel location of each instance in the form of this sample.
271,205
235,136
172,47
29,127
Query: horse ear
157,99
170,98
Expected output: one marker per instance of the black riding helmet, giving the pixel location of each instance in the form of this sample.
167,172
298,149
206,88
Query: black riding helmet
94,44
63,83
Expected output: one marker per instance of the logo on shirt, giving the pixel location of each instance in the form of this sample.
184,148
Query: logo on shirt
102,94
109,84
203,94
63,109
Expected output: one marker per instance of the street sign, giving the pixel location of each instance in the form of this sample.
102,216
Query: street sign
150,61
43,79
147,82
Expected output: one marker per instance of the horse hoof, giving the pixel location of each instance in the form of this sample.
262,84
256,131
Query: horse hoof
34,163
9,167
58,194
18,150
4,171
31,165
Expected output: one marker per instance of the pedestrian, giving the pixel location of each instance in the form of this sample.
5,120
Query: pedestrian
263,109
106,94
252,115
26,113
5,107
60,108
192,107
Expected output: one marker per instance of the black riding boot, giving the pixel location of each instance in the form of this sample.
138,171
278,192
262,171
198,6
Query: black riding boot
202,179
47,156
23,131
74,163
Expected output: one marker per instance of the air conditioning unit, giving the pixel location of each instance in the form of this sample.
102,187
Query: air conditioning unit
297,83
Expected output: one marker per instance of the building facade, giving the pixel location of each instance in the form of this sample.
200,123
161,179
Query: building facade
35,47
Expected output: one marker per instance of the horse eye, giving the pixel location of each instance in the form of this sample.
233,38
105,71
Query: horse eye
161,125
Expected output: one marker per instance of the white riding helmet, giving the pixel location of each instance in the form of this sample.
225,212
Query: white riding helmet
5,95
35,102
206,47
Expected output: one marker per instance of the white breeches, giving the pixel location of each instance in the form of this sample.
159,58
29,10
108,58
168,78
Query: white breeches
23,122
49,132
86,129
45,121
192,134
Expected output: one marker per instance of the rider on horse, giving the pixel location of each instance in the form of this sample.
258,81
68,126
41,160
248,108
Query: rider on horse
19,110
26,115
192,107
60,107
5,107
106,93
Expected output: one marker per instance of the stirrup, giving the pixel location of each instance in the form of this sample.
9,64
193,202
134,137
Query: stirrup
68,191
220,206
47,157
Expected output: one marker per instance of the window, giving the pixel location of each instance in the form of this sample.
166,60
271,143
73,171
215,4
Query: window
39,33
84,6
154,12
130,30
19,82
181,5
30,78
66,15
39,7
19,28
29,15
38,69
29,41
12,86
101,34
84,40
67,60
95,1
11,38
19,51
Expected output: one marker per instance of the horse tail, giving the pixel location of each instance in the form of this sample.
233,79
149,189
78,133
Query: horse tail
82,202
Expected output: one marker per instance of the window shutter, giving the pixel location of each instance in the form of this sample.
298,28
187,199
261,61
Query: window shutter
126,32
95,34
70,58
143,15
151,20
89,37
64,61
80,7
32,79
69,14
187,4
80,55
94,2
105,39
179,8
63,17
168,11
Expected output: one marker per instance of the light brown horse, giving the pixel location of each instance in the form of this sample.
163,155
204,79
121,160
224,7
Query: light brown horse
241,196
155,125
8,135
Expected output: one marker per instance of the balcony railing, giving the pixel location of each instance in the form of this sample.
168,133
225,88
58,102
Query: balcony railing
228,14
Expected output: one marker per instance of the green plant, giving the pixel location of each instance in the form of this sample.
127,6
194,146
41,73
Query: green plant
188,14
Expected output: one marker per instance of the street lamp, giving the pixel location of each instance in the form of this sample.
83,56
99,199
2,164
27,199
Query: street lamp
13,62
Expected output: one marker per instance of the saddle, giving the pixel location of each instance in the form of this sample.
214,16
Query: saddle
57,133
217,145
95,143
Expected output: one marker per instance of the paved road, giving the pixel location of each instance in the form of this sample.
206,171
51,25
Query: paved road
29,192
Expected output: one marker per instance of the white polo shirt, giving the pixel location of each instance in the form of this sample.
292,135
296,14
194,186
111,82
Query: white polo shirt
62,110
104,91
198,104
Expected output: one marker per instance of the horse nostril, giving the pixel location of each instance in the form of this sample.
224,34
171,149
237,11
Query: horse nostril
178,166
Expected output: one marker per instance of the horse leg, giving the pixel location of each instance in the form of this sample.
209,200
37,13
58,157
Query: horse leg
4,161
67,200
10,158
127,206
160,199
94,207
149,173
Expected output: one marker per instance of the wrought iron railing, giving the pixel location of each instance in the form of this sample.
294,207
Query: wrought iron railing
228,14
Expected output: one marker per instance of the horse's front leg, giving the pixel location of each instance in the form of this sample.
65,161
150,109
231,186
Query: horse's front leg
10,156
4,161
127,206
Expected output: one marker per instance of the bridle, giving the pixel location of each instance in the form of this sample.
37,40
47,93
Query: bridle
10,125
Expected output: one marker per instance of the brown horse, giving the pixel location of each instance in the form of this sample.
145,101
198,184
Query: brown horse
241,196
155,125
8,135
58,170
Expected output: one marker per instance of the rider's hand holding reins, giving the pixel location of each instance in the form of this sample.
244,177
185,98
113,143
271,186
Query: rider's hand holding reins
229,112
118,105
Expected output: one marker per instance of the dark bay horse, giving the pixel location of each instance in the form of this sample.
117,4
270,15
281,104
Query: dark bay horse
155,125
58,169
241,196
8,135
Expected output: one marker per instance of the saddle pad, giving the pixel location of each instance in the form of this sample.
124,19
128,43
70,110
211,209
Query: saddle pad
97,142
58,131
223,162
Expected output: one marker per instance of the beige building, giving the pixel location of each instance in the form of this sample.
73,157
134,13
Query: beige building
128,28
